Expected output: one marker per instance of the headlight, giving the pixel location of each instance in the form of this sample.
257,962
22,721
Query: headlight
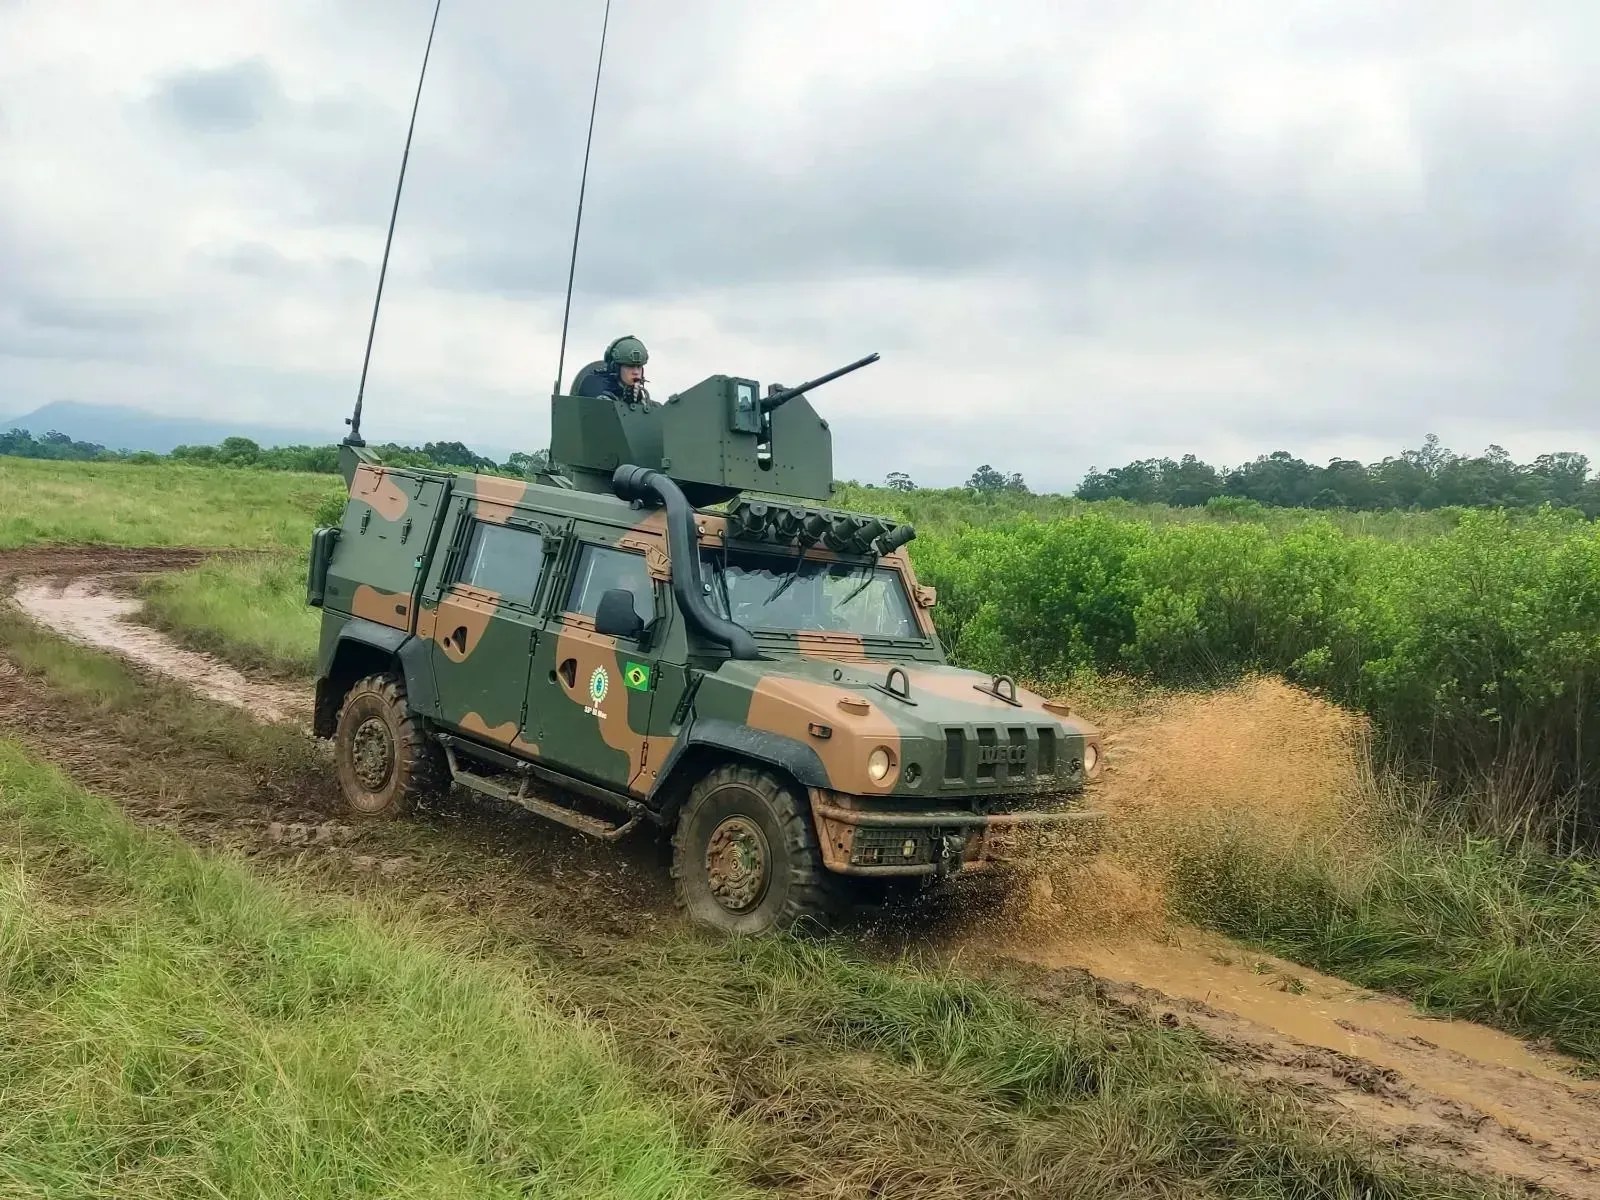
1091,758
878,764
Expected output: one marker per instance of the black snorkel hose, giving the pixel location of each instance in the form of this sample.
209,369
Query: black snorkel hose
638,483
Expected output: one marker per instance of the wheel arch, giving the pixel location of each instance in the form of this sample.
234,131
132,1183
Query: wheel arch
710,743
367,648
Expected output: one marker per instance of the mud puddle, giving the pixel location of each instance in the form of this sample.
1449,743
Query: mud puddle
89,609
1451,1091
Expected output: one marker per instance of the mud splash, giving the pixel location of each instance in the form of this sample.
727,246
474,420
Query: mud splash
1292,767
88,610
1289,765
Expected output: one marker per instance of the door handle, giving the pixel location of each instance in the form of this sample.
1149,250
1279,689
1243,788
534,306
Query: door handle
459,637
568,671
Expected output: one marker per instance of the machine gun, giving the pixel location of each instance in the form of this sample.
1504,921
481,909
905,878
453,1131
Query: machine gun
777,396
715,440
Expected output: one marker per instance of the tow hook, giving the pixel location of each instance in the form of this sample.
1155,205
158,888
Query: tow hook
947,855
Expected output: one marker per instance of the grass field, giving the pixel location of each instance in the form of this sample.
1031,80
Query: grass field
175,1026
1506,936
165,505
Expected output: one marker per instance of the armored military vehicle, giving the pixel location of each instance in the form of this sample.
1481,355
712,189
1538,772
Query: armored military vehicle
672,627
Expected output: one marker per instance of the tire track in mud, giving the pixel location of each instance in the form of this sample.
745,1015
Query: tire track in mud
88,609
1449,1091
1446,1092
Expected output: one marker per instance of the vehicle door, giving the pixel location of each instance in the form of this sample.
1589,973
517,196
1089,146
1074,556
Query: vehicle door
595,676
486,626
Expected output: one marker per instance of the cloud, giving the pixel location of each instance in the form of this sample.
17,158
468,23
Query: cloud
1078,235
231,99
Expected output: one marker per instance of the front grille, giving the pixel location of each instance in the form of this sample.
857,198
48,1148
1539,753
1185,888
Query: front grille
891,847
986,769
1022,756
955,744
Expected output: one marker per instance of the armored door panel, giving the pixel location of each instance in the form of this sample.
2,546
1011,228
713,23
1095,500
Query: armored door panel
376,568
483,632
591,694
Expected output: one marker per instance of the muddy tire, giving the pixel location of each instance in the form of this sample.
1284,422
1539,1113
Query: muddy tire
745,858
385,760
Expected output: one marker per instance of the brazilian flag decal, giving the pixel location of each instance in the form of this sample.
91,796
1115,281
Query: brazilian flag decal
637,676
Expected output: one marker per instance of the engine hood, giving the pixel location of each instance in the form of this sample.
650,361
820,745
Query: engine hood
946,731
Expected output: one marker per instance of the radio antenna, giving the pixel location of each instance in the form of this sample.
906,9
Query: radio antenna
354,421
594,103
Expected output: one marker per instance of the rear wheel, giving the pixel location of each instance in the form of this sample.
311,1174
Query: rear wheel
745,857
385,760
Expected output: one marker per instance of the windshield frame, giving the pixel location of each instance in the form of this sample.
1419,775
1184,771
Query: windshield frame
783,560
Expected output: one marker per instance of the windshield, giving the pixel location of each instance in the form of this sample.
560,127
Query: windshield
816,596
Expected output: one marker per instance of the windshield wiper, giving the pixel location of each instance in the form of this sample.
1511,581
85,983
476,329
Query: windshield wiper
719,571
794,573
871,570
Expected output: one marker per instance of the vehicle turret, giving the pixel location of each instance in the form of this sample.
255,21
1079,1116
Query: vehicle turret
714,440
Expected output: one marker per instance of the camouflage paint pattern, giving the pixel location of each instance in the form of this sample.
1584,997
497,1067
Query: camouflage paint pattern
537,680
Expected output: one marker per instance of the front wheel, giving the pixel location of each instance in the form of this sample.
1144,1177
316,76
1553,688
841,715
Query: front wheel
745,857
384,758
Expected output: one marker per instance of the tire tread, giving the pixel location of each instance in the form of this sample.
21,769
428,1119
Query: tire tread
419,762
817,897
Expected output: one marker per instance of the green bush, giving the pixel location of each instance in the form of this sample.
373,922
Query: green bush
330,511
1477,650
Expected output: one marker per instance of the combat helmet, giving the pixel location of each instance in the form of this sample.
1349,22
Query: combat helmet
626,351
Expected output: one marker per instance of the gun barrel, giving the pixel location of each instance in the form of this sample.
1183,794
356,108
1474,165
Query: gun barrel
768,403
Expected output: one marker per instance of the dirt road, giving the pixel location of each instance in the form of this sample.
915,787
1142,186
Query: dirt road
89,608
1449,1092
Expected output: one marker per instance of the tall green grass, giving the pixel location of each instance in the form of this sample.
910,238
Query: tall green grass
1477,651
252,611
944,510
173,1027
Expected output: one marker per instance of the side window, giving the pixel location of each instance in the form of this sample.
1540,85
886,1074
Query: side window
602,568
503,560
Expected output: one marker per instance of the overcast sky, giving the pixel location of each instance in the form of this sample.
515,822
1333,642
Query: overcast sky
1078,233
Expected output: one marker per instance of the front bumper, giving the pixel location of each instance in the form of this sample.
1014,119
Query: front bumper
864,838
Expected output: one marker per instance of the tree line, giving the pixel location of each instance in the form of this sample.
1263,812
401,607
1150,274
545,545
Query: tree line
1428,477
1425,478
244,452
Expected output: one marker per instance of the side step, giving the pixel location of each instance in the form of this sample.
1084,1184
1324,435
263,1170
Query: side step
582,822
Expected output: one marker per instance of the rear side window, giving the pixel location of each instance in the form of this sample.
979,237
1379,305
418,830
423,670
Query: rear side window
601,568
503,560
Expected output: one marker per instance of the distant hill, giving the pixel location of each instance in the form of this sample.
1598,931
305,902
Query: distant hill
134,429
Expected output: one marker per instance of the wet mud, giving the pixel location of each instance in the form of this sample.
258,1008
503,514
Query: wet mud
82,596
1451,1093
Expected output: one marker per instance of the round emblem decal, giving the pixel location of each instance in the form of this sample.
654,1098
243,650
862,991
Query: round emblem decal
599,682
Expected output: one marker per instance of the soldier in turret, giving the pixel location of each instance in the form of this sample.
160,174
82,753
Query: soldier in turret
619,375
